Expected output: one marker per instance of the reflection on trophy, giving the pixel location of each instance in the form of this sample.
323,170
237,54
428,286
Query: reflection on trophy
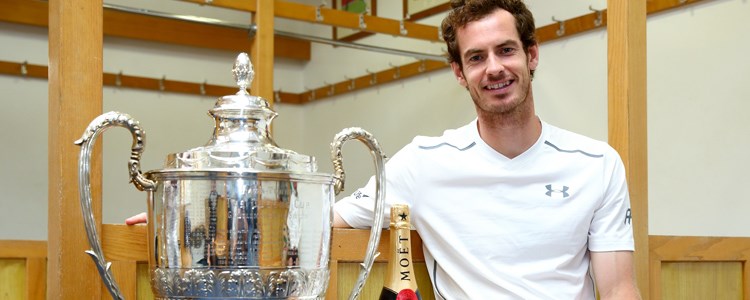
236,218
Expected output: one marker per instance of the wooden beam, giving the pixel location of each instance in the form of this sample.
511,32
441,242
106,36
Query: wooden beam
161,30
144,83
626,40
262,50
75,98
337,18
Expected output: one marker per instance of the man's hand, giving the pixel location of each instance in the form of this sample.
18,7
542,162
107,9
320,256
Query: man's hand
137,219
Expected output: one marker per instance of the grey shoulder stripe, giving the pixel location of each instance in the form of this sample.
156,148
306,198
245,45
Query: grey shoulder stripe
573,151
446,144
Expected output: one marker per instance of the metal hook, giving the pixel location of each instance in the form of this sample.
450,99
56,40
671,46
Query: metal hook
561,30
208,2
598,21
312,94
161,83
24,69
396,74
421,67
118,79
203,87
331,88
362,24
683,1
352,84
277,96
318,15
402,28
373,79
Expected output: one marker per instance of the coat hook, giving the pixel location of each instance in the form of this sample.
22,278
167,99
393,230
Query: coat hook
161,83
208,2
598,21
318,15
277,96
203,87
561,30
352,84
422,67
312,94
683,1
331,88
402,28
118,79
374,78
396,74
362,24
24,69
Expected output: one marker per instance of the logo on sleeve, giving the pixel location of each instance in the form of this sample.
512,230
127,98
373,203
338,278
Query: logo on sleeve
628,216
557,191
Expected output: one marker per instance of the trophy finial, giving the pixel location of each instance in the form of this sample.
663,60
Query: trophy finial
243,72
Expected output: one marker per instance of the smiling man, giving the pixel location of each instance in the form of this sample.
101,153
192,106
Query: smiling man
508,206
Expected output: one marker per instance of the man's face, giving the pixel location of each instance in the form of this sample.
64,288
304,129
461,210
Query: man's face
496,70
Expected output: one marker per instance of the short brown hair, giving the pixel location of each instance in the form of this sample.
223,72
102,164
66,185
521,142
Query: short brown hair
465,11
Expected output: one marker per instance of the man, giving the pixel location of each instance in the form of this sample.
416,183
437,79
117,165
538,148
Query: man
509,207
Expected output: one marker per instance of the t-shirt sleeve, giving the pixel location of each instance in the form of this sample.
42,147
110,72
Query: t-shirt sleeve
357,208
612,226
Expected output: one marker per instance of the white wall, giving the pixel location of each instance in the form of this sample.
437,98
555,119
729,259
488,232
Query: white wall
696,87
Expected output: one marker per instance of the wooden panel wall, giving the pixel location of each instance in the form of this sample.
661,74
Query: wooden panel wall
681,267
23,270
699,267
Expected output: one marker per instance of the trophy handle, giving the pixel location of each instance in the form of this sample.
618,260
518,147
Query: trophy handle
339,176
86,142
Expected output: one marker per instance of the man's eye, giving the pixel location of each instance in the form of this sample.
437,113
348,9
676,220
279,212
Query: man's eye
507,50
475,58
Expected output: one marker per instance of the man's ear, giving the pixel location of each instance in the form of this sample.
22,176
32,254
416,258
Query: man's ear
459,74
533,56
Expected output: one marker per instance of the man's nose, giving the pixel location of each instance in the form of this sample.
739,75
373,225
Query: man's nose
494,65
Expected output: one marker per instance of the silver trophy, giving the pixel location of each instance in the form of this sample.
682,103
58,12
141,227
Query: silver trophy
239,217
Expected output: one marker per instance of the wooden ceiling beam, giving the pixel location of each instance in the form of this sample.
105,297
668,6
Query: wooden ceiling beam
156,29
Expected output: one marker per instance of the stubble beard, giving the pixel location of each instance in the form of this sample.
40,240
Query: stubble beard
513,113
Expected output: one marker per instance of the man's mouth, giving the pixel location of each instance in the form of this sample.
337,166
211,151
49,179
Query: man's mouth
499,85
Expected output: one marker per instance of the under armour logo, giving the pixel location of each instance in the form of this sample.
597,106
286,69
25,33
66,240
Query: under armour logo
358,195
563,190
628,216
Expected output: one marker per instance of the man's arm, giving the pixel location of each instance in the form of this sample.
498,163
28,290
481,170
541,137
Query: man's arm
614,274
339,222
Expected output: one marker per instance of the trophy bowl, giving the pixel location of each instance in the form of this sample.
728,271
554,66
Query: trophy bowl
237,218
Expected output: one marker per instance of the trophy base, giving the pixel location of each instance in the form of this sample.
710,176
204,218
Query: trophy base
239,283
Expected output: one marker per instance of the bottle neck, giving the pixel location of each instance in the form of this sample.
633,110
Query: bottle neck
400,270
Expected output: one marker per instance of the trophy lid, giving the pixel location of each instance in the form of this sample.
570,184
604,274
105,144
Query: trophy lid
241,138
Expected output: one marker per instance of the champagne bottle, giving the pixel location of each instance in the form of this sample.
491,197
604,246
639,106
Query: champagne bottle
400,281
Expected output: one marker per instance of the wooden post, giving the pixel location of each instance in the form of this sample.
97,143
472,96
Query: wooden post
261,52
75,98
626,30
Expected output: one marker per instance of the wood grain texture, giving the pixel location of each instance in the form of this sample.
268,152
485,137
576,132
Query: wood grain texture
626,85
12,278
75,98
36,278
667,277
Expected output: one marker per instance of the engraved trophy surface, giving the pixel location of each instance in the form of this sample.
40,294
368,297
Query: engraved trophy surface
237,218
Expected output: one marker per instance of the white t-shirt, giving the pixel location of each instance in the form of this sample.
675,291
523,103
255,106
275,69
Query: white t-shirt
499,228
